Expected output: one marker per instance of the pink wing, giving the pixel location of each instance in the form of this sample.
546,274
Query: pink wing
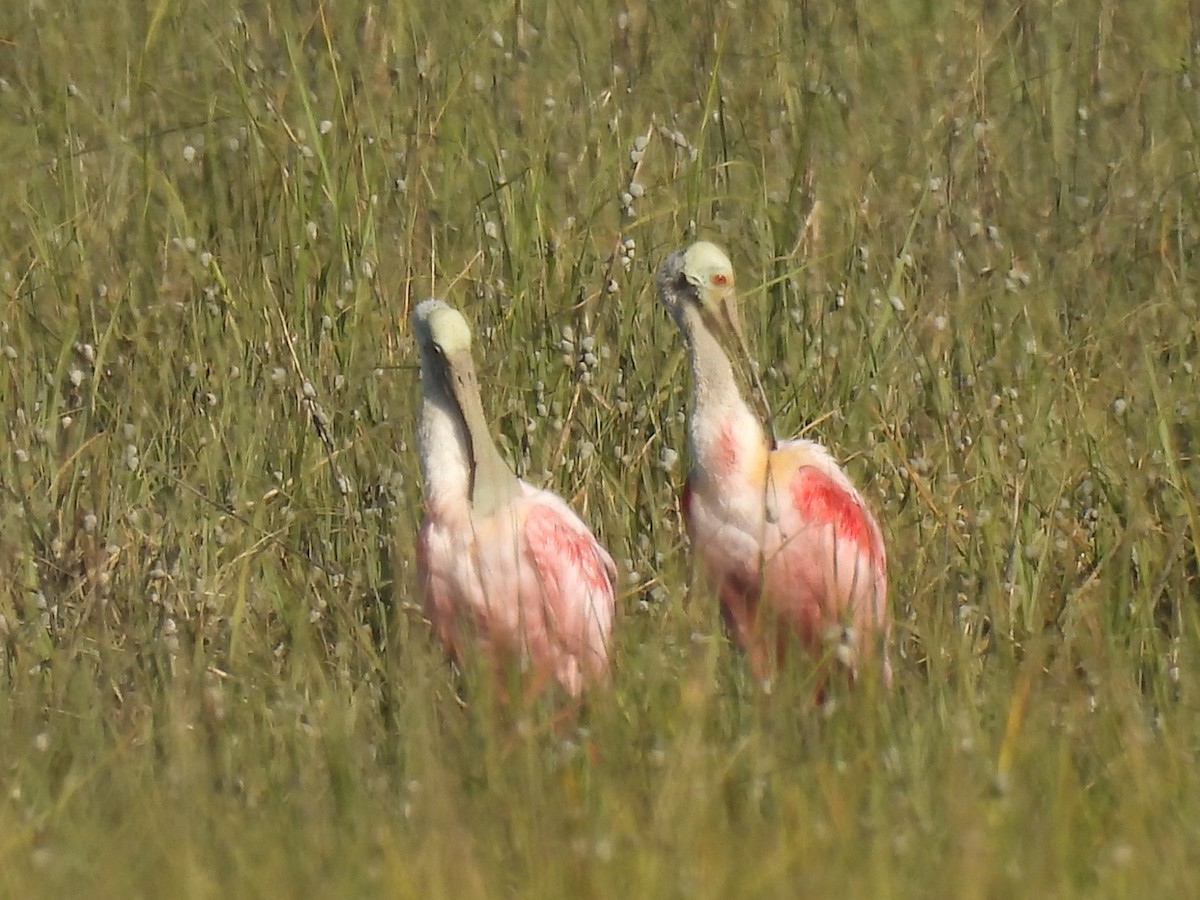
820,499
577,578
850,557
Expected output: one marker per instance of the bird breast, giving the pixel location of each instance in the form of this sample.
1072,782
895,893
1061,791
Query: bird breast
730,450
742,515
528,576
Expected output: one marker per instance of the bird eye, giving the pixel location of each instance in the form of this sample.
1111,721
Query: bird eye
719,279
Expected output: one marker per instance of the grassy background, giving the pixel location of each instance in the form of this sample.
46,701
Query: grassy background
966,240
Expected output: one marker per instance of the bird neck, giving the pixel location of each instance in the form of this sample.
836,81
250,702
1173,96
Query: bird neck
445,451
461,467
719,414
493,483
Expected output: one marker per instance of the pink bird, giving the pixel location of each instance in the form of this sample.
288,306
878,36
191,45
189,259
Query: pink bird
781,533
504,566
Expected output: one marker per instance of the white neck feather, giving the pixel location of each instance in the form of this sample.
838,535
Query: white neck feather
444,449
715,394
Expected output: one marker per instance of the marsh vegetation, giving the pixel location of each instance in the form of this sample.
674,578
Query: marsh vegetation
965,237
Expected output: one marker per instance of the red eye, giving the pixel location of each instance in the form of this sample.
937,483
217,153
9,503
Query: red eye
720,280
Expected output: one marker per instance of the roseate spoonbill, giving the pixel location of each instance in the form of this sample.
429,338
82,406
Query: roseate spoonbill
505,567
781,533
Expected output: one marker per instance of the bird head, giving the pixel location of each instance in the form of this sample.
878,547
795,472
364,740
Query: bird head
441,330
701,277
444,343
697,288
447,369
699,280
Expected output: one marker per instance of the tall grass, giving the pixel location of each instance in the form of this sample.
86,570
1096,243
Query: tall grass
965,240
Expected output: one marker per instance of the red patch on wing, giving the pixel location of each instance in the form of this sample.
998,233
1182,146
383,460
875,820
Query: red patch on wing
556,547
819,498
728,448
